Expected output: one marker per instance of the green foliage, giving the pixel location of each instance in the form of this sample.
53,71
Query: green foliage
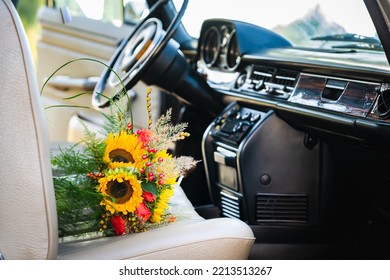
77,207
78,203
150,187
118,122
77,162
93,152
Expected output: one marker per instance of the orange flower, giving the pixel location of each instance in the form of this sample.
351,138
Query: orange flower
144,136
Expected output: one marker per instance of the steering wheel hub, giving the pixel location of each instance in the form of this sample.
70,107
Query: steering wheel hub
141,45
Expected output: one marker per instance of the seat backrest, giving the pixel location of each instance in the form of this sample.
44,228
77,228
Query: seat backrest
28,219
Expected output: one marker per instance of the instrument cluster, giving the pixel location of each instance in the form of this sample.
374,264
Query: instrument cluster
219,47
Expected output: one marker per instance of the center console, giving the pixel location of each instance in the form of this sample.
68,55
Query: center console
261,170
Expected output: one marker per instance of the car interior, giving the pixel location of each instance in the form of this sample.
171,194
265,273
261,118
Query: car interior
26,149
292,141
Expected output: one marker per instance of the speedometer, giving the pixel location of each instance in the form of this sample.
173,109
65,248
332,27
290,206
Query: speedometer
210,46
233,55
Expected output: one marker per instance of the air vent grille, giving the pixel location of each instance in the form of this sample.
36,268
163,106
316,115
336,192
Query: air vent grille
261,76
230,205
281,208
286,79
264,80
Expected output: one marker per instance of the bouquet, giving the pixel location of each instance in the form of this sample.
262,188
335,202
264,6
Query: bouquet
120,183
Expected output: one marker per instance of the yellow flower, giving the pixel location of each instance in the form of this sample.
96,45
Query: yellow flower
162,155
122,192
123,150
166,165
161,205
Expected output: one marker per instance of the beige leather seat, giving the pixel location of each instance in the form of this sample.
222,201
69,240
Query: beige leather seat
28,220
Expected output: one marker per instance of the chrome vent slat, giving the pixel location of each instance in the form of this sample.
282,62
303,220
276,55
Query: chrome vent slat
285,78
232,210
281,208
273,81
228,213
230,205
229,199
264,74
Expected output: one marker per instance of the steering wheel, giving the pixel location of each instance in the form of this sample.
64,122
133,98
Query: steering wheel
135,55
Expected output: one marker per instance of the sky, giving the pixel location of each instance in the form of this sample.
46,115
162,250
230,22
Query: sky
351,14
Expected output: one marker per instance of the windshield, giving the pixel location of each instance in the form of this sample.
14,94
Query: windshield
305,23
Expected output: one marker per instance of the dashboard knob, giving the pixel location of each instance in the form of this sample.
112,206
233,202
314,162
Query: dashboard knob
247,116
237,127
265,179
233,113
255,118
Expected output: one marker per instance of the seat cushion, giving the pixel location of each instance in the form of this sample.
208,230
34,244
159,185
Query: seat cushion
189,237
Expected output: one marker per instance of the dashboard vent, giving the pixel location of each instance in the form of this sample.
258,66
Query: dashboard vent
286,79
281,208
383,105
272,81
230,205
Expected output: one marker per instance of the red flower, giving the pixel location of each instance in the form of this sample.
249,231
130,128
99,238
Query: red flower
143,211
144,135
148,196
118,223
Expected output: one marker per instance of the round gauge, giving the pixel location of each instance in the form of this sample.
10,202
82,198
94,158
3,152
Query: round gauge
210,46
233,55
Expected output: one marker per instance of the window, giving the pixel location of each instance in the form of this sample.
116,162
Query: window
105,10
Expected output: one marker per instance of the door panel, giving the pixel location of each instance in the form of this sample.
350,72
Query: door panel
80,37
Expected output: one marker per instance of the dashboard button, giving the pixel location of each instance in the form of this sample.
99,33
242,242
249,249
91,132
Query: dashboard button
232,113
237,127
255,118
247,116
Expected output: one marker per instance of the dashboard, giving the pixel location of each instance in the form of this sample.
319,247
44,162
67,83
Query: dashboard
300,151
333,92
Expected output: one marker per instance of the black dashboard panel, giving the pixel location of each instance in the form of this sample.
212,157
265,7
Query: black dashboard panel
222,43
326,91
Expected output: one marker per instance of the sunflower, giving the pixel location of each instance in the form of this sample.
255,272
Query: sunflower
123,150
122,191
161,205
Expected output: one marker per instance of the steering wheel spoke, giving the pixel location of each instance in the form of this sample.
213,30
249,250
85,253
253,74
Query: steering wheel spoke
135,55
